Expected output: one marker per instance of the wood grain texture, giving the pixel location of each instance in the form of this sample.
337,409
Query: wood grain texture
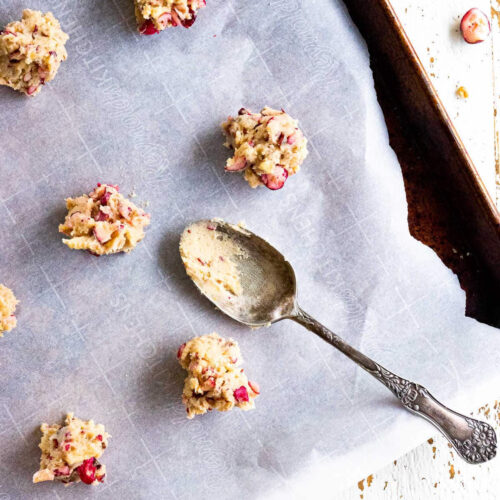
433,470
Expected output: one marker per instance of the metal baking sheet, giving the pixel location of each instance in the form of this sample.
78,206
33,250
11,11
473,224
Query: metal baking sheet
449,208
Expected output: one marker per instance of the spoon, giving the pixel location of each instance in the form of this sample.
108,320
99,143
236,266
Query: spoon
269,294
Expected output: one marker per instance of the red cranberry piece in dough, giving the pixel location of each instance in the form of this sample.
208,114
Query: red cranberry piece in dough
125,210
87,470
101,216
175,18
62,471
148,28
164,19
101,234
475,26
241,394
105,197
239,163
187,23
179,351
276,179
254,386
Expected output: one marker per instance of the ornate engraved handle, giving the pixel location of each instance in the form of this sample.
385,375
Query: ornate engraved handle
475,441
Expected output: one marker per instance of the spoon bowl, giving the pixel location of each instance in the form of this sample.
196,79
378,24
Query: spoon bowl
267,279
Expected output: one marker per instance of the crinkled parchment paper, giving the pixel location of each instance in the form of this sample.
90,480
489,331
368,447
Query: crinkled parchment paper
98,336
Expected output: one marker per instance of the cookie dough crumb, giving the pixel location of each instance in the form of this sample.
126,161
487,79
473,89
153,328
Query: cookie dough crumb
31,51
215,380
103,222
8,304
154,16
462,92
210,259
70,453
268,146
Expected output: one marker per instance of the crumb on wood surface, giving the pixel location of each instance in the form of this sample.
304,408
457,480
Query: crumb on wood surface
462,92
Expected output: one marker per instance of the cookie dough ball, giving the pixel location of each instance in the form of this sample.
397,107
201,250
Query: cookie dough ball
31,51
268,146
215,379
103,222
8,304
154,16
70,452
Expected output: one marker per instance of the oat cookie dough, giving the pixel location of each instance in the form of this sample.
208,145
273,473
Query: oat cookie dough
70,453
215,379
210,259
154,16
268,146
103,222
31,51
8,304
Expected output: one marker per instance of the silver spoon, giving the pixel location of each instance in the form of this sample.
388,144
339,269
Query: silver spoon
269,294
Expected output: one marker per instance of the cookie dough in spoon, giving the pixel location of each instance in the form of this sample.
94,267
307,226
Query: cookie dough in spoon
210,259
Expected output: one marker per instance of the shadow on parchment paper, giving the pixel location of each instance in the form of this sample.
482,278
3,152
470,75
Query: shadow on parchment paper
48,224
53,219
165,384
126,8
12,94
170,258
57,216
172,267
26,451
212,143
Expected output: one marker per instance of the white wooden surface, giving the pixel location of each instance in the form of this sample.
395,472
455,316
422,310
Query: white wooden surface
432,470
433,27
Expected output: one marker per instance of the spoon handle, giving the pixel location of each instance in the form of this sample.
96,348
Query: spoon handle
475,441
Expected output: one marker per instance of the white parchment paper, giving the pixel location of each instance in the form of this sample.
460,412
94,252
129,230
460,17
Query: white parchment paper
98,336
